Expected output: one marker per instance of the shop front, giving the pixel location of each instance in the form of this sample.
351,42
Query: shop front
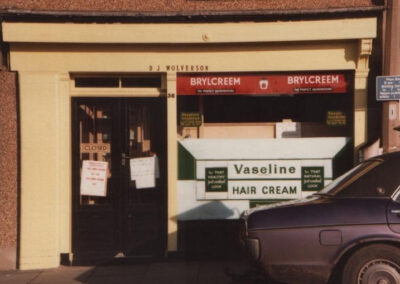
134,133
247,139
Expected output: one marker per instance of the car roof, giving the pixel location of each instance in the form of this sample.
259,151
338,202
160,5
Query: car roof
386,156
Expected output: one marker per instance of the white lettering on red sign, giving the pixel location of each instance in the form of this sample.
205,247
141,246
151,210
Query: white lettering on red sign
215,81
313,79
260,83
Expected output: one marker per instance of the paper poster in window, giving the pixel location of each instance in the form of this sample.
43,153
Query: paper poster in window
144,171
94,178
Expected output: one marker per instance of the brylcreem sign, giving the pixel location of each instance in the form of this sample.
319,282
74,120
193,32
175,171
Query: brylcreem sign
260,83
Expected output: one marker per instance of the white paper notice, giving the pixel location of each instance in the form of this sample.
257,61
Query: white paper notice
144,171
94,178
287,130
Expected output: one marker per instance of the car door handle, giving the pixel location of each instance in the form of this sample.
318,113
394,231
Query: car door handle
395,211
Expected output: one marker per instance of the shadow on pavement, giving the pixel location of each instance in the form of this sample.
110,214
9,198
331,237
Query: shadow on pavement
175,272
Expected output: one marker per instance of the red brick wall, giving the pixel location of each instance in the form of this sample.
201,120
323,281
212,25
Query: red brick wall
8,170
183,5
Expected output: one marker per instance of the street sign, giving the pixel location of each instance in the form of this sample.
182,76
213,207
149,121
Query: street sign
387,88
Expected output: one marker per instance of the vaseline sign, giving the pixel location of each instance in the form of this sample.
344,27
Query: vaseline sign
271,169
219,178
259,179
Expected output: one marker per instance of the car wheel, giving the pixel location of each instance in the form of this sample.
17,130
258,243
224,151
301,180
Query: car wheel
377,264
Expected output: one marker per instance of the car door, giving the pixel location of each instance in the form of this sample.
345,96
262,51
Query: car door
393,214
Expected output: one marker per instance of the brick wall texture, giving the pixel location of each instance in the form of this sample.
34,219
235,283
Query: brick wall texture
8,161
182,5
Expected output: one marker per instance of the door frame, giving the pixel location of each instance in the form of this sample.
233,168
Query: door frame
117,127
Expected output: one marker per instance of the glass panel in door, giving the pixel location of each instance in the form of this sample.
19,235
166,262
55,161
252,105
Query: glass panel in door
95,229
145,193
95,131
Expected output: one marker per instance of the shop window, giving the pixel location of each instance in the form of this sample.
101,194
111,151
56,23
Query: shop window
97,82
95,132
128,81
230,110
141,82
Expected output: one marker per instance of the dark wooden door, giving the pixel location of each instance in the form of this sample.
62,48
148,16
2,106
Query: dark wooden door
128,218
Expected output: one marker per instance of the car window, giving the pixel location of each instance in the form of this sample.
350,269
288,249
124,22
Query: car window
349,177
381,180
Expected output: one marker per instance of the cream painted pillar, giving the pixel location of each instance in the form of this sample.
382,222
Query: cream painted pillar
64,177
360,96
172,162
39,219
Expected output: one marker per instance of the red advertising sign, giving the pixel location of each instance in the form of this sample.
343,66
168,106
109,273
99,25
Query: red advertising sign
260,84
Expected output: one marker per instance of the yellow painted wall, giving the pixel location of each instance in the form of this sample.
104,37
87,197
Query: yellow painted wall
45,92
39,235
336,55
203,33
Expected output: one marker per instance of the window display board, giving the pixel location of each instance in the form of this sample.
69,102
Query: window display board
235,172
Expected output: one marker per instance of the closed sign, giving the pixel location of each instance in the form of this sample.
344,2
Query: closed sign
95,148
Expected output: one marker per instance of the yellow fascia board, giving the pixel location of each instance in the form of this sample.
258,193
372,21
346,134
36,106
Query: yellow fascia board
338,29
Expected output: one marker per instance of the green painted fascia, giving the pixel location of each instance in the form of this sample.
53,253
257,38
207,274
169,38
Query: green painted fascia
186,164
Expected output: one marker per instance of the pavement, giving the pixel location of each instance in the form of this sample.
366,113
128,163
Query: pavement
143,272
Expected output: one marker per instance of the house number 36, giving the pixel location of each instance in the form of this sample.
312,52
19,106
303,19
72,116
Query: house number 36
171,95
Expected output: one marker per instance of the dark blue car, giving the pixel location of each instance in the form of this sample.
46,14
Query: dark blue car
351,228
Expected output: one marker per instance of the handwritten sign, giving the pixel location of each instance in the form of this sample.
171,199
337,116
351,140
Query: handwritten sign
144,171
94,178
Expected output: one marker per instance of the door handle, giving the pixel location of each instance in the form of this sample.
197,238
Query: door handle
124,159
395,211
